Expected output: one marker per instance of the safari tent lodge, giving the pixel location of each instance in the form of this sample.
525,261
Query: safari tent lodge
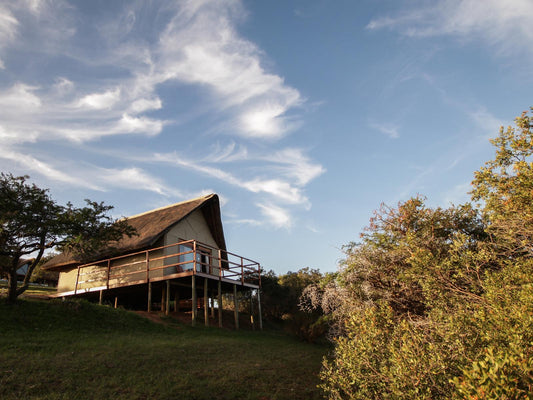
178,257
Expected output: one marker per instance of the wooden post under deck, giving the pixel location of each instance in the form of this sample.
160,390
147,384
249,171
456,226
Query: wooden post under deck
101,296
149,308
259,306
194,305
206,304
220,304
167,300
212,297
236,306
177,301
252,309
162,298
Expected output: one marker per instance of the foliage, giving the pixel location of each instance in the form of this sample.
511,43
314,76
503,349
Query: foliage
438,303
280,296
32,222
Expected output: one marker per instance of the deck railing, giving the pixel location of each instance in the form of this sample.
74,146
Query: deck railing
189,257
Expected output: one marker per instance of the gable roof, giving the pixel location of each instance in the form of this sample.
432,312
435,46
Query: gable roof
152,225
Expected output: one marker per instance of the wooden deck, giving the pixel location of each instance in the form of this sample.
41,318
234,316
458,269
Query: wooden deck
175,261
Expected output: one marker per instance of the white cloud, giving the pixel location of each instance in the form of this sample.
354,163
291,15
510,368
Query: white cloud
387,129
100,101
194,44
505,24
281,190
143,104
201,46
8,25
275,216
20,97
296,165
42,168
133,178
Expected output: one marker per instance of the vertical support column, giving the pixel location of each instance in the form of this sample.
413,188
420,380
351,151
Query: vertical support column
167,300
149,308
194,301
206,304
177,300
219,304
116,301
259,306
236,306
163,298
212,296
252,309
101,296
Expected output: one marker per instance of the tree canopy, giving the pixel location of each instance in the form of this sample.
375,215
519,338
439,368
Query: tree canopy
438,303
31,222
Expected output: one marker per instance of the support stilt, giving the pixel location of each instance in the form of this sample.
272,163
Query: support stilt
252,309
149,308
236,307
194,301
206,304
101,297
220,304
259,306
167,300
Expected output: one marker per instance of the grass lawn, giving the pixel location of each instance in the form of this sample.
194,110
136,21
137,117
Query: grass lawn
78,350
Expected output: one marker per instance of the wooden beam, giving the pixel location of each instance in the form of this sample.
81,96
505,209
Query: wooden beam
177,300
116,301
236,306
194,301
220,304
101,297
206,304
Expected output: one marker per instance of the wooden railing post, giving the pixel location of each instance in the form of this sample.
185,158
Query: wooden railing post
242,271
219,265
147,267
194,255
77,280
108,273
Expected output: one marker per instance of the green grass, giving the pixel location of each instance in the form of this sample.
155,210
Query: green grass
67,350
33,290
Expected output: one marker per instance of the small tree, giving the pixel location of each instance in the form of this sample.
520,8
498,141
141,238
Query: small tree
32,222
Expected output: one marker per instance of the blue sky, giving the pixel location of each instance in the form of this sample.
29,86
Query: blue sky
303,116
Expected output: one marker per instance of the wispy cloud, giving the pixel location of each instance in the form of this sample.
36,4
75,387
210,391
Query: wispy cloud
110,79
504,24
387,129
275,216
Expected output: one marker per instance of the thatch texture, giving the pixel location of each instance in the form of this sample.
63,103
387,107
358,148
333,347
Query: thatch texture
151,226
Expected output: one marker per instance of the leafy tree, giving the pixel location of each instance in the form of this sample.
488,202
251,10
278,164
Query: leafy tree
31,222
280,296
438,303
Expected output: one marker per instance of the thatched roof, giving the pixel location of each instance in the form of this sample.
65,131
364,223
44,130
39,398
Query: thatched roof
152,225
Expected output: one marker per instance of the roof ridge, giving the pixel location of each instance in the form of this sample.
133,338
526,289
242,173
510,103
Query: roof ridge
206,197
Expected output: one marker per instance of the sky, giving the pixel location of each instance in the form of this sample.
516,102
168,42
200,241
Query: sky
302,115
